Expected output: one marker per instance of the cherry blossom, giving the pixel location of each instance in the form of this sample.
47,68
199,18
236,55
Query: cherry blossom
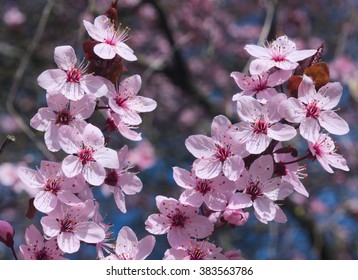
52,185
196,250
235,217
71,224
258,189
88,155
261,123
69,80
312,106
262,85
121,181
219,153
7,233
213,192
281,53
324,150
37,248
129,248
62,112
125,102
111,41
179,221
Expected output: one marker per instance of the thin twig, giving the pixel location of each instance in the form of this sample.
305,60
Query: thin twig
18,78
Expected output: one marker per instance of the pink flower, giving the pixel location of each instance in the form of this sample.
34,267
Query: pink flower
257,189
219,153
129,248
261,85
281,53
323,149
69,80
125,102
71,225
261,123
312,106
143,155
38,249
88,155
235,217
115,122
111,41
62,112
121,181
179,221
52,185
196,250
212,192
7,233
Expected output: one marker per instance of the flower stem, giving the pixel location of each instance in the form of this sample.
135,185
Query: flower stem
13,252
297,160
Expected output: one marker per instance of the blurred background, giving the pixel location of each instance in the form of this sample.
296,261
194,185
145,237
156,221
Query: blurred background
186,51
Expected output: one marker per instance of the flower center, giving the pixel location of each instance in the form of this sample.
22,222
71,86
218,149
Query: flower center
86,155
42,255
66,225
313,111
203,186
222,152
52,185
196,253
111,178
120,100
64,117
260,126
73,75
178,219
253,190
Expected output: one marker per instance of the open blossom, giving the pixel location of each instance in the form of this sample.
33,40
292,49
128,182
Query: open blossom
179,221
37,248
196,250
219,153
213,192
312,106
111,41
129,248
121,181
261,123
52,185
62,112
259,190
281,53
262,85
324,150
88,155
70,80
125,102
71,224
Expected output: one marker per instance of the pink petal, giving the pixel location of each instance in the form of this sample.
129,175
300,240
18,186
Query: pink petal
300,55
96,32
200,146
42,120
232,167
219,127
128,133
270,108
200,227
257,51
34,238
106,157
333,123
104,50
324,163
276,189
243,81
286,65
120,200
71,166
72,91
280,216
248,108
130,183
239,201
257,143
93,85
145,247
215,201
178,237
68,243
125,52
126,242
191,197
157,224
52,80
130,86
141,104
265,95
278,77
331,93
337,161
281,132
259,66
183,178
70,139
262,169
50,226
51,138
208,168
92,136
265,208
292,110
89,232
45,201
94,173
65,57
31,177
306,90
309,128
68,198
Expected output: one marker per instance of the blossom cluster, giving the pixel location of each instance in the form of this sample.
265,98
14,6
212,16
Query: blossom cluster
63,190
246,164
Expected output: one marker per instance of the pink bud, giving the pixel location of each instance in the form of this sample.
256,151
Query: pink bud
7,233
235,217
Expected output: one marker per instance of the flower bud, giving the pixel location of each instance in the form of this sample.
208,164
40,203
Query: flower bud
7,233
235,217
